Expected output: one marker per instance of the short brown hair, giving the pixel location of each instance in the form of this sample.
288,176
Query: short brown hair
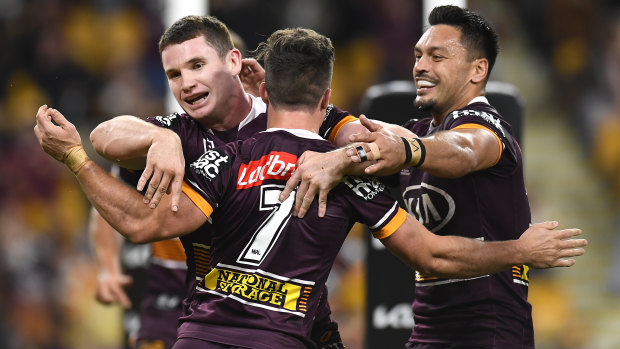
298,66
212,29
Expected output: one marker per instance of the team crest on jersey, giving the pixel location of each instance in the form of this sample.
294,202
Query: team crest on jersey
211,163
430,205
167,120
364,187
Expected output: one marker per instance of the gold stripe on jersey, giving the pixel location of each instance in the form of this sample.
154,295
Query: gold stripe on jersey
202,258
197,199
334,132
392,226
303,300
499,142
419,277
169,249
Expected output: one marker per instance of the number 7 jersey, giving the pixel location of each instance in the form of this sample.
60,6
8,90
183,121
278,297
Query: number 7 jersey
269,268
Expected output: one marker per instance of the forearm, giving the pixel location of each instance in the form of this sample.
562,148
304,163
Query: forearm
125,139
104,243
451,256
460,257
120,205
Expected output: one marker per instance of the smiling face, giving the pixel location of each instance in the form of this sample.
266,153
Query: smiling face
446,79
200,80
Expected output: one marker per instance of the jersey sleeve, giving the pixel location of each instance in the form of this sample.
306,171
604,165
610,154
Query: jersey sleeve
374,205
181,124
173,121
335,118
201,201
475,119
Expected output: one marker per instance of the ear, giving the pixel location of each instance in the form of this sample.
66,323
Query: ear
480,70
233,59
325,99
262,90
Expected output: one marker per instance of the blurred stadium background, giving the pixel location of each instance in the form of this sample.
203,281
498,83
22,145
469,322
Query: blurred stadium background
95,59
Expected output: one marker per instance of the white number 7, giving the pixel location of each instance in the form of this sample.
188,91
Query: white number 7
266,236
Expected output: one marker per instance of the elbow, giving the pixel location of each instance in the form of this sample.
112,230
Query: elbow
429,267
98,136
139,233
138,238
437,267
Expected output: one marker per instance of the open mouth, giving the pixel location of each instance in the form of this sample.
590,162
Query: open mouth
198,99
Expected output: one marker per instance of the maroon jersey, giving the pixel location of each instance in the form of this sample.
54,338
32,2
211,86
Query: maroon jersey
491,311
269,268
195,142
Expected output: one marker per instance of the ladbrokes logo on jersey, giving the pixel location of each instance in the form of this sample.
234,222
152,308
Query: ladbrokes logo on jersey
277,165
257,288
211,163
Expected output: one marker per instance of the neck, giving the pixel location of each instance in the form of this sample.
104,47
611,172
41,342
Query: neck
440,115
295,118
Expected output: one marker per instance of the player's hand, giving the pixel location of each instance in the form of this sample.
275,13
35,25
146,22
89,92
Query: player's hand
252,75
545,247
55,139
390,145
165,167
314,173
111,289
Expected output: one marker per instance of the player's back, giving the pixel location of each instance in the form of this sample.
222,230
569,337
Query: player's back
269,267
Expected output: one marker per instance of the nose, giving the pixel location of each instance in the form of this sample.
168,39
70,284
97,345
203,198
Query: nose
187,82
421,65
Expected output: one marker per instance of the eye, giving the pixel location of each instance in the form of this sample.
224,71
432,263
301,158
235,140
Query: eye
199,65
437,57
173,75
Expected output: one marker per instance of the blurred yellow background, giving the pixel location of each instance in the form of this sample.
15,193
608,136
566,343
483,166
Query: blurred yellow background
94,60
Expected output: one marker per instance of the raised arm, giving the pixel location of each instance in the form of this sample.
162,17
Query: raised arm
136,144
111,281
118,204
450,154
318,173
540,246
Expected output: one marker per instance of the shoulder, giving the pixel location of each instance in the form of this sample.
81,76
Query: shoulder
477,113
171,120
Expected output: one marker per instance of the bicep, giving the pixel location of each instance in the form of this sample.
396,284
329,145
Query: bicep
169,224
485,147
457,152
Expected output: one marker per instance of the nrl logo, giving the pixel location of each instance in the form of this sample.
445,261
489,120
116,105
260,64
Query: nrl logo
211,163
